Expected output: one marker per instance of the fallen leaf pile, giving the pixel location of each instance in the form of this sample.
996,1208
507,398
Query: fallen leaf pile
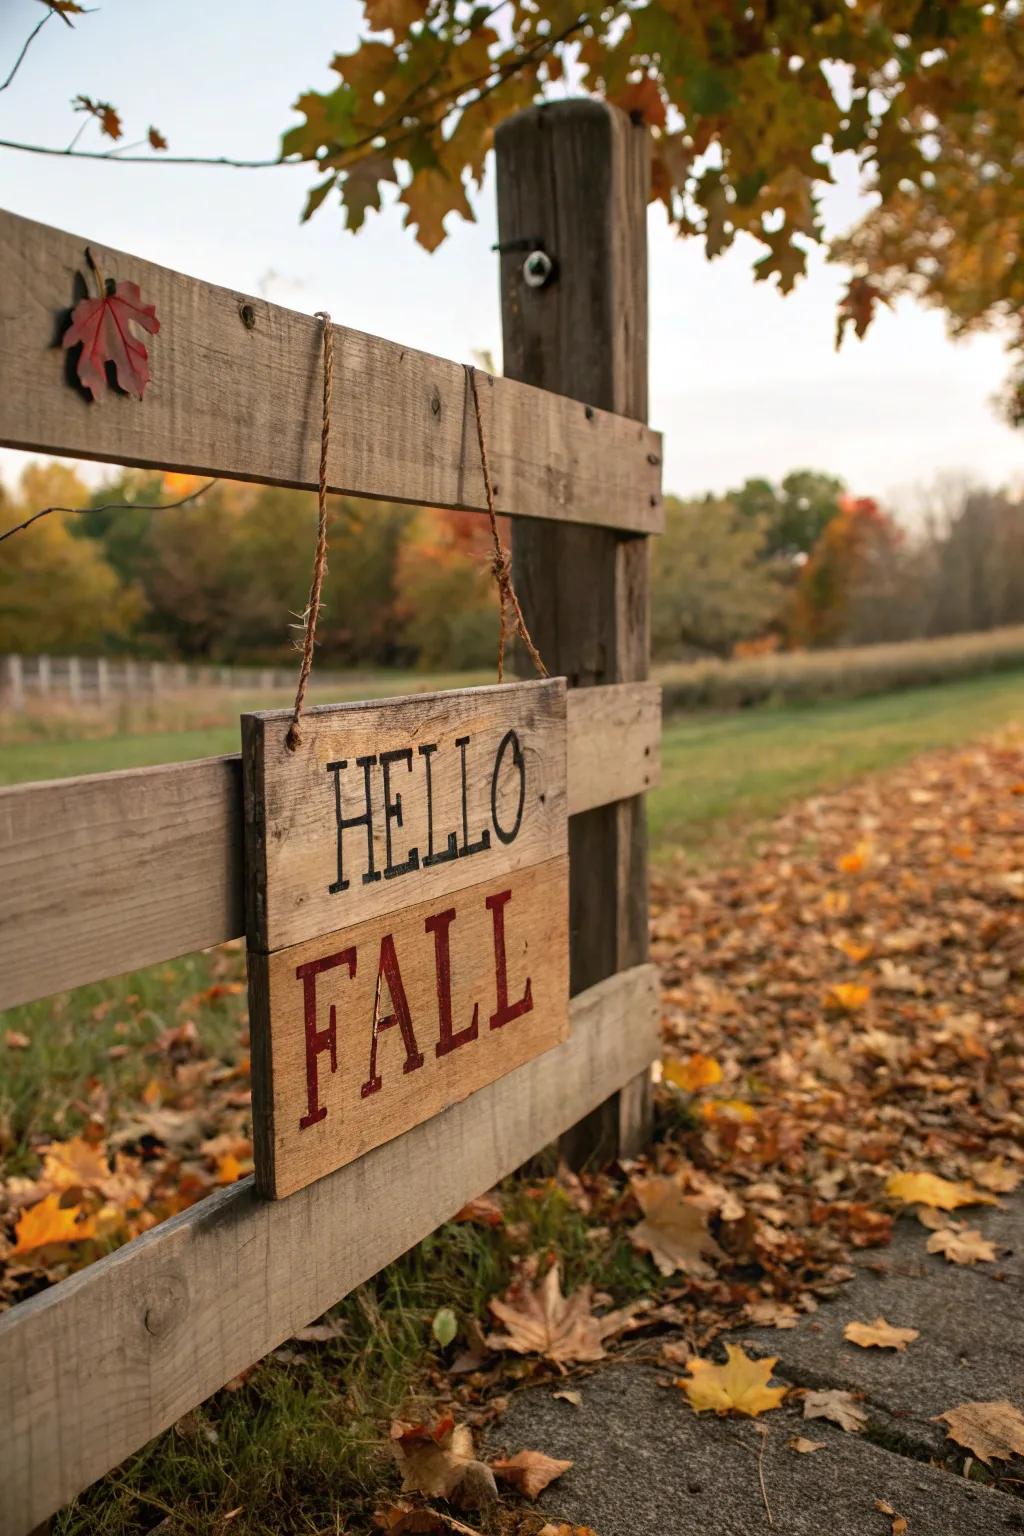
845,1038
131,1166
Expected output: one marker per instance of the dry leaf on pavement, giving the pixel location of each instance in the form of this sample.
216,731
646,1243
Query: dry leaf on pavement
529,1471
674,1229
541,1321
565,1530
738,1386
993,1431
995,1175
838,1407
967,1247
880,1335
805,1447
929,1189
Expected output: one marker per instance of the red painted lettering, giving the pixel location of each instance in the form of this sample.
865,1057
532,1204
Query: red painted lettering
319,1040
439,925
505,1011
388,971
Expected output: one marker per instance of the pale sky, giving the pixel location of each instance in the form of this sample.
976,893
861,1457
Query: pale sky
743,382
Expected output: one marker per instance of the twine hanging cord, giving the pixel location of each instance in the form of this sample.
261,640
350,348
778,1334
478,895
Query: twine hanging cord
500,565
294,737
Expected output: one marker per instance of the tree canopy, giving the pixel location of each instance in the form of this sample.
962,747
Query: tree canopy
749,106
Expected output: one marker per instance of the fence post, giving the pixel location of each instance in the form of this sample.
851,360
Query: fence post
572,180
14,685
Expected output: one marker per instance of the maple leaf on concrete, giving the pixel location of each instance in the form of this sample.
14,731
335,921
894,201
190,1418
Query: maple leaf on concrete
880,1335
929,1189
438,1460
50,1222
674,1230
967,1247
541,1321
805,1447
738,1386
529,1471
993,1431
838,1407
103,328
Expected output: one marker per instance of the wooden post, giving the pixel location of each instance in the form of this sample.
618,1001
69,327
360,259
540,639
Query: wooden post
573,182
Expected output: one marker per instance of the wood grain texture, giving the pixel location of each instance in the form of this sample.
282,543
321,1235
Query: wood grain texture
446,800
236,388
92,1369
115,871
574,175
614,736
449,1022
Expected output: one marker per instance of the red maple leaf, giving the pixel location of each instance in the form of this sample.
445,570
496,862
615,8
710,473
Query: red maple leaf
103,326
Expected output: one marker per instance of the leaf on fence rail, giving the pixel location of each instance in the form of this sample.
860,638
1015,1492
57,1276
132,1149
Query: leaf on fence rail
103,327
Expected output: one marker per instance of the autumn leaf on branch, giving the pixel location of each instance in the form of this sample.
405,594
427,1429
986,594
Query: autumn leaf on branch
156,139
103,328
738,1386
106,115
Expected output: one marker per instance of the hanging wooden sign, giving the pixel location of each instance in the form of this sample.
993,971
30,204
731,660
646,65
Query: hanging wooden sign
407,913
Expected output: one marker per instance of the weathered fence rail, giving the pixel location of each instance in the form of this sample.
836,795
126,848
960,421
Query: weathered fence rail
108,873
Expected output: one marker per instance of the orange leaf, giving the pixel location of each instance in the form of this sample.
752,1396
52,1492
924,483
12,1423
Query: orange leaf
698,1072
50,1222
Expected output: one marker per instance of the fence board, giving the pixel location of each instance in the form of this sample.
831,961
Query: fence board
236,391
90,1370
108,873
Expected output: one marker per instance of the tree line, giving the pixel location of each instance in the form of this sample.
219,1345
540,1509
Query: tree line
225,578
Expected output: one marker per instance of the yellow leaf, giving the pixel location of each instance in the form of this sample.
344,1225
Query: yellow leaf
228,1168
962,1247
698,1072
738,1386
729,1109
848,995
880,1335
993,1431
852,950
929,1189
49,1222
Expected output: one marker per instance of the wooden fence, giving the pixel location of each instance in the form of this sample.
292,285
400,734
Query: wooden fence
97,679
121,870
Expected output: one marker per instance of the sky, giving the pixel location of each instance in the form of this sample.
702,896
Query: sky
744,382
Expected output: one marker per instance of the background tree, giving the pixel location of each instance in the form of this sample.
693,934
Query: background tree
710,584
860,541
792,515
57,592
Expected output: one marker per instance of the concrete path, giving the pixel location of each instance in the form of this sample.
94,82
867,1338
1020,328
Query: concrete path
646,1465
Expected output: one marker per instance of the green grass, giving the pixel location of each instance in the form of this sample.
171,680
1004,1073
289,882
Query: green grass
724,774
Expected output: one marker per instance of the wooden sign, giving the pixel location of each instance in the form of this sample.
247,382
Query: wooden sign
406,910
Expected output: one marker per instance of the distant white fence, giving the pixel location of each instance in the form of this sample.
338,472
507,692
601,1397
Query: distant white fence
94,679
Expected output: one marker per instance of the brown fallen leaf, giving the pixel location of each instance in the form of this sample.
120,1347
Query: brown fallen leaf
838,1407
966,1247
576,1398
772,1314
738,1386
529,1472
565,1530
541,1321
438,1460
484,1211
674,1230
929,1189
993,1431
880,1335
16,1041
805,1447
996,1176
900,1526
402,1520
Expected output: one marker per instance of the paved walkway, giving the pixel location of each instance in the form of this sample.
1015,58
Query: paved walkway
646,1465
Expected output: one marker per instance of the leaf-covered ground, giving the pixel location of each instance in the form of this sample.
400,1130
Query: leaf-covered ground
844,1043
